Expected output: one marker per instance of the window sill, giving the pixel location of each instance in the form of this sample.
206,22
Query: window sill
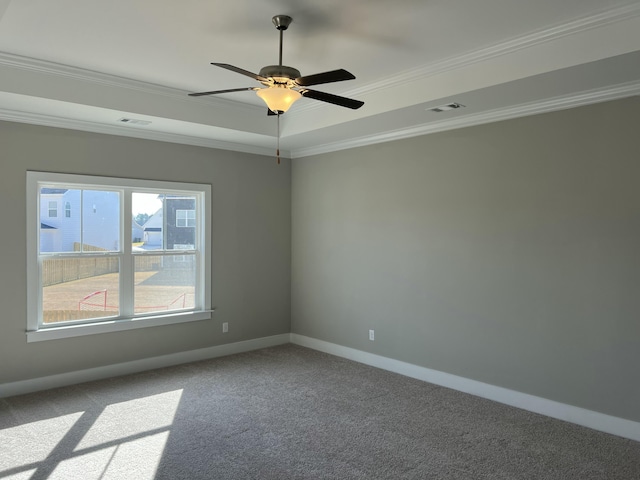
67,331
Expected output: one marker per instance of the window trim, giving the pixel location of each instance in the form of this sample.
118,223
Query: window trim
37,332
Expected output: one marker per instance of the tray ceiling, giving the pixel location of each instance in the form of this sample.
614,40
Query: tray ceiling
86,64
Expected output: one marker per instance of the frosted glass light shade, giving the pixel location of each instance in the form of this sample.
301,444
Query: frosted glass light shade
278,99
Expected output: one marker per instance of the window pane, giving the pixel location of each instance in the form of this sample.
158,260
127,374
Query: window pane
79,288
100,220
146,226
181,221
164,282
59,233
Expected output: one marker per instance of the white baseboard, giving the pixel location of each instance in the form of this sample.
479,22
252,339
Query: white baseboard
580,416
98,373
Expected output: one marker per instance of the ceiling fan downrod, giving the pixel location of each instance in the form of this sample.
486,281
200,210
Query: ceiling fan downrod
282,75
281,22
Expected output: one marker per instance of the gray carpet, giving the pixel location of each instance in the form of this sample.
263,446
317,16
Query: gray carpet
291,413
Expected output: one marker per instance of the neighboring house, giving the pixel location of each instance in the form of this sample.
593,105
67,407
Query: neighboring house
153,230
137,231
49,238
65,212
180,224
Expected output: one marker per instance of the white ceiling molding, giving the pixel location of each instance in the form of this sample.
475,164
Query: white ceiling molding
546,35
592,54
97,78
507,113
504,48
145,132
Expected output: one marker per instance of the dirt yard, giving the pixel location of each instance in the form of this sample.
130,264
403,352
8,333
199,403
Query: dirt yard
152,294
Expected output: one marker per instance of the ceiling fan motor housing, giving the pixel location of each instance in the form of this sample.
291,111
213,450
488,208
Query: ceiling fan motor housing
281,71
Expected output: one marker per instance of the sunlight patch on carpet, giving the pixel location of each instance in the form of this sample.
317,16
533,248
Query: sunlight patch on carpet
36,439
137,459
132,420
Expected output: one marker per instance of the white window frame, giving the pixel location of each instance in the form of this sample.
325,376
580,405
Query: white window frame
37,331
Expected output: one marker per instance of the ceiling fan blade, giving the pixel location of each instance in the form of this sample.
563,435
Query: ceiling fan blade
330,98
240,71
270,112
215,92
325,77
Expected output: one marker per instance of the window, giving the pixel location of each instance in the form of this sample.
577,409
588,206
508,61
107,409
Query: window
53,209
86,275
185,218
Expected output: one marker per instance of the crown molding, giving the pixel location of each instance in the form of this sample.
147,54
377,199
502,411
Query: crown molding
539,37
582,24
103,79
600,19
75,73
525,109
134,132
504,48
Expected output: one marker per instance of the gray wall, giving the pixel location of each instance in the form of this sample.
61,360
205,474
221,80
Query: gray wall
251,223
506,253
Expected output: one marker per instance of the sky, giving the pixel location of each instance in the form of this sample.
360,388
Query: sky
145,203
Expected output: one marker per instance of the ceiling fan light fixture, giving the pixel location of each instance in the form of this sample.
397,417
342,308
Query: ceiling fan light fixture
284,85
278,99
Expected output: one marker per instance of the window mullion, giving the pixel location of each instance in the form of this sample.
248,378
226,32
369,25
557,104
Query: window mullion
201,235
81,220
127,265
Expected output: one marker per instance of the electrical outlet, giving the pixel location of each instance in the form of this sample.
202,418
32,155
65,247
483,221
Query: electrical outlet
372,335
225,327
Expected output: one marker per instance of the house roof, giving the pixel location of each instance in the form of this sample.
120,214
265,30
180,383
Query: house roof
52,191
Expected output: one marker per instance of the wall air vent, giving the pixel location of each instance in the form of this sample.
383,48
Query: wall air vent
444,108
134,121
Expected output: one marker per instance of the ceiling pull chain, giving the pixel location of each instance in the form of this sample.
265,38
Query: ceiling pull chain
278,147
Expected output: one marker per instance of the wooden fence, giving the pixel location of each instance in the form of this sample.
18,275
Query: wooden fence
60,270
53,316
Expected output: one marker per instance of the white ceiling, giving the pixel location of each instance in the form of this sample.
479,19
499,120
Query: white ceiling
85,64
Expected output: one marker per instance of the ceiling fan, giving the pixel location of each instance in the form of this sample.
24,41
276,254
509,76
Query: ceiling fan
283,85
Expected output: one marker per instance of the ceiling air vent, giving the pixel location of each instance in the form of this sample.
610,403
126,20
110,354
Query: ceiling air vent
134,121
444,108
